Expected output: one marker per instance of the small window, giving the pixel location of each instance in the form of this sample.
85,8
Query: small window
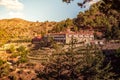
81,36
91,36
69,35
75,35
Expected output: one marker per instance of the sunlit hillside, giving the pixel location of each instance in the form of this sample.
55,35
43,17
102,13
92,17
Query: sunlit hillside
11,29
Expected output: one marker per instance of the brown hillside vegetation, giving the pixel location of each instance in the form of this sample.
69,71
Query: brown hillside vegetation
16,22
18,29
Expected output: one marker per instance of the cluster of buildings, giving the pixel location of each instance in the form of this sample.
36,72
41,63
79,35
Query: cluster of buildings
83,36
67,36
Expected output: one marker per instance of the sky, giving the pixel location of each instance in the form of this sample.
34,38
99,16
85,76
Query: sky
39,10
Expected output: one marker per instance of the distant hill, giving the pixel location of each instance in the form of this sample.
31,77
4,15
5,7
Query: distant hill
18,28
15,22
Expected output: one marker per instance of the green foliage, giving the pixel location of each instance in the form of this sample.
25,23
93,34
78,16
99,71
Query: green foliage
118,53
63,25
4,70
112,32
115,32
103,16
23,57
22,53
15,54
115,58
92,18
21,49
11,49
75,28
55,46
76,65
62,67
96,69
23,60
72,43
1,62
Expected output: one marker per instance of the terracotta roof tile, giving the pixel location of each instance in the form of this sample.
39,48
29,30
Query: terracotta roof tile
84,32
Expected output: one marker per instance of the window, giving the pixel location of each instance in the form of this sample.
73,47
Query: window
86,36
81,36
69,35
91,36
75,35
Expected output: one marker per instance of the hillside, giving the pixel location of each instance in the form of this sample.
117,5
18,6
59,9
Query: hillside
15,22
11,29
103,17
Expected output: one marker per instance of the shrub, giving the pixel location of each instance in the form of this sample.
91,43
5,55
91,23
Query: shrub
14,55
74,65
23,60
11,49
1,62
21,49
4,70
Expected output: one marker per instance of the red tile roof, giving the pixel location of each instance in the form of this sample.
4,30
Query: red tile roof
85,32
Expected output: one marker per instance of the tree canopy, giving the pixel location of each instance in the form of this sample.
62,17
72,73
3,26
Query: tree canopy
103,16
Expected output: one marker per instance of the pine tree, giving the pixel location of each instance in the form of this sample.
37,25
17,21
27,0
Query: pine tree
77,65
95,67
63,66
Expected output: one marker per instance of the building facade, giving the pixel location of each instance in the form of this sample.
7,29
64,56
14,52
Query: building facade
66,37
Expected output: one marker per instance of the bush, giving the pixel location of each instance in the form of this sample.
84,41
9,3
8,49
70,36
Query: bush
21,49
74,65
4,70
23,60
11,49
1,62
14,55
23,57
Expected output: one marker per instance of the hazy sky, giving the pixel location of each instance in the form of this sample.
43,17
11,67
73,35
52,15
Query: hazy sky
39,10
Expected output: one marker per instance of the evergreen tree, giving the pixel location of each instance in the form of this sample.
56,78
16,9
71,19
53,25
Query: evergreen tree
77,65
95,67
